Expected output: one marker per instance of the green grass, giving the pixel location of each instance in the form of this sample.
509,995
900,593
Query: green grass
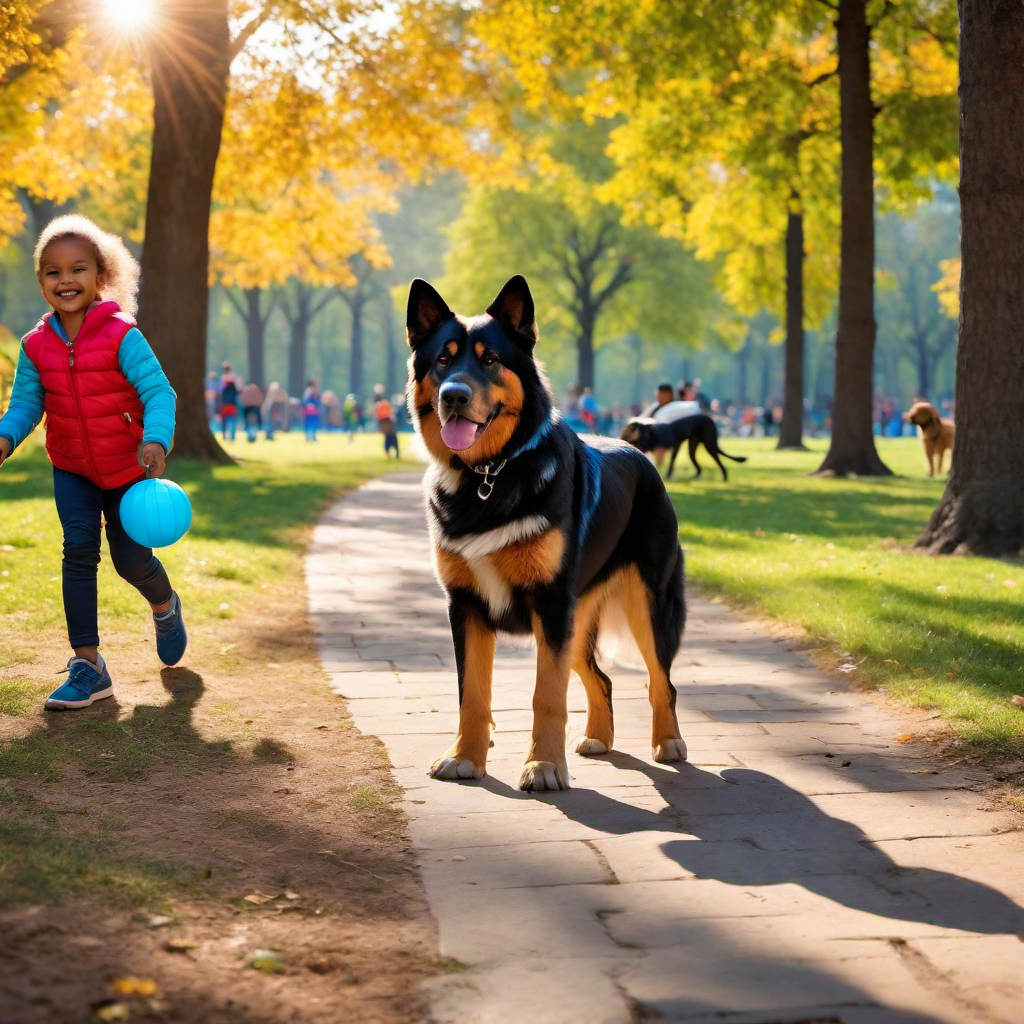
243,532
833,556
249,523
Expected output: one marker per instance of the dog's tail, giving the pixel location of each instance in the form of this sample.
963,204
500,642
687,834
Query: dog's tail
735,458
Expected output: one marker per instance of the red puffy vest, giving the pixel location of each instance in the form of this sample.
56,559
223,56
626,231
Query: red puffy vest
93,414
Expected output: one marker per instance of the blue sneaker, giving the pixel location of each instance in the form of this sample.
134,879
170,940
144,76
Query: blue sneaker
84,685
171,638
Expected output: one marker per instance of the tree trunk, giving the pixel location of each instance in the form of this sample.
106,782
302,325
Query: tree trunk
923,375
256,332
585,350
791,431
298,341
392,371
190,60
355,351
852,449
742,357
982,509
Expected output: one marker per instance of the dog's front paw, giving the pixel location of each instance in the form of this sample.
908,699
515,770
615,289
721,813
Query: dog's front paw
588,747
455,768
670,750
540,776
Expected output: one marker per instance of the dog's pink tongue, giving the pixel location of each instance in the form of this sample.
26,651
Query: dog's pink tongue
458,433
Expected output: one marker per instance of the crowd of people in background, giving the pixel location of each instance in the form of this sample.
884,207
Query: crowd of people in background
585,413
233,405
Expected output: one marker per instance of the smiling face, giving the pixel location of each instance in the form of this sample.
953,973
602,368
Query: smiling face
69,276
469,377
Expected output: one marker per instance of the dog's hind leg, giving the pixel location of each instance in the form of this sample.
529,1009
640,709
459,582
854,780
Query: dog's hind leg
694,441
474,641
657,626
546,767
672,462
600,722
713,452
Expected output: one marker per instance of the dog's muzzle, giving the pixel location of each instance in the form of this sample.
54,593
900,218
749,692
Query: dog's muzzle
455,398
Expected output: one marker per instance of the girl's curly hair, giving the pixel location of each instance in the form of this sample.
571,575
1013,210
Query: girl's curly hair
113,260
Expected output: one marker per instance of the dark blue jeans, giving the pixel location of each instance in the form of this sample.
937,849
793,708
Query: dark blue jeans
82,506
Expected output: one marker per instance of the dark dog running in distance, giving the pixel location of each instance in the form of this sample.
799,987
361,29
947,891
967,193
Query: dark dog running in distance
536,531
650,435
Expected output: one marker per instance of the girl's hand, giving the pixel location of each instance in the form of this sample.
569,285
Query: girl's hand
5,449
153,458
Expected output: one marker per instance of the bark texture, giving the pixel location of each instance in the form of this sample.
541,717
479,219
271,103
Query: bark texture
189,61
852,449
982,509
791,431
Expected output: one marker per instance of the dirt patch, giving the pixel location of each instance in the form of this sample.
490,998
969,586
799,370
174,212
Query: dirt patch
132,833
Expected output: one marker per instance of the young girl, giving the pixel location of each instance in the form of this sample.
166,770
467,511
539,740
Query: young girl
109,422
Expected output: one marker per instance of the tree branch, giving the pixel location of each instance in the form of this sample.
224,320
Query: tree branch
246,32
622,276
239,308
332,293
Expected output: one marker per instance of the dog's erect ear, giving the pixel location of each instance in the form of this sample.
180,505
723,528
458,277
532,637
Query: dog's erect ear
513,307
427,310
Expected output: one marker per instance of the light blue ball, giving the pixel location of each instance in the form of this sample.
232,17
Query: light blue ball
156,513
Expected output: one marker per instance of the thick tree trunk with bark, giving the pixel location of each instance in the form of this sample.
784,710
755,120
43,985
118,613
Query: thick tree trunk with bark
190,60
982,509
791,431
852,449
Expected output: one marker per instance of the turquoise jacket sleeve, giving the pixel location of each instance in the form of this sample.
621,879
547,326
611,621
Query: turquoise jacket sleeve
144,373
26,408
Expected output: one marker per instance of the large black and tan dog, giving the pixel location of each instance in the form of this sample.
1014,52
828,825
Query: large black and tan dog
536,531
650,435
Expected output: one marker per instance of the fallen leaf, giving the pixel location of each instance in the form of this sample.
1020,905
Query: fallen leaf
110,1012
289,895
951,675
1010,583
180,945
286,791
323,727
846,764
891,661
905,736
1018,701
159,920
132,986
458,856
268,961
258,898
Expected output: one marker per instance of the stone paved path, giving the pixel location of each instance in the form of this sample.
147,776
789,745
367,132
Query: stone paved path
805,866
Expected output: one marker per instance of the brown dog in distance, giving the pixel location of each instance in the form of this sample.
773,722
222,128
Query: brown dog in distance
936,433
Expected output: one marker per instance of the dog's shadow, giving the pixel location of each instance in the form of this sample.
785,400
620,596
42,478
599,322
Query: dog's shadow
825,855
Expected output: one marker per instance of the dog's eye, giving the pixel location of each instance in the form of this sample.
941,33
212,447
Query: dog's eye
488,359
444,359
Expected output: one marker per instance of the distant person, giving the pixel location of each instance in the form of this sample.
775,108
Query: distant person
699,396
211,393
109,424
589,409
331,410
666,408
311,408
275,409
228,402
350,415
251,399
385,415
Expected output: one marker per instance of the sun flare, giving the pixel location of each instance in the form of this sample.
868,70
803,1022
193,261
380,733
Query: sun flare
130,15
